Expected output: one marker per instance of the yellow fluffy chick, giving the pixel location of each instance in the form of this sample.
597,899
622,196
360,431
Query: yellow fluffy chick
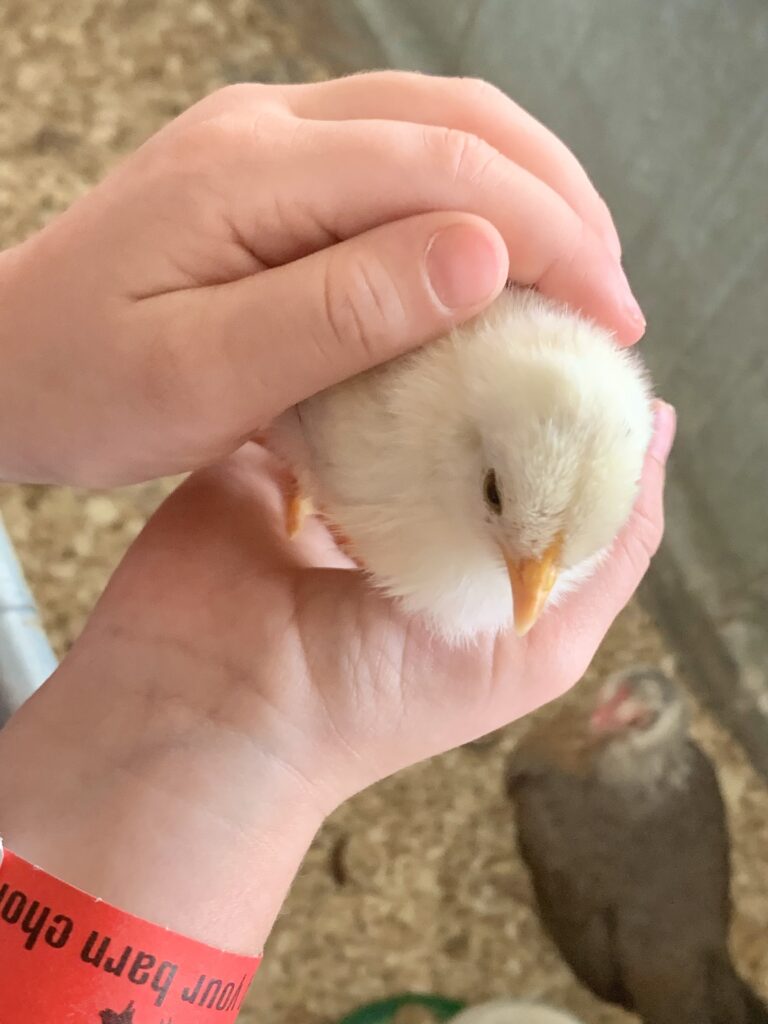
484,474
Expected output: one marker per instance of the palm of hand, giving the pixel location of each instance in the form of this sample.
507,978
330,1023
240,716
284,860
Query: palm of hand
293,651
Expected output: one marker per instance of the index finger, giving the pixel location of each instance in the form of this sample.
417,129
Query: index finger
469,105
337,179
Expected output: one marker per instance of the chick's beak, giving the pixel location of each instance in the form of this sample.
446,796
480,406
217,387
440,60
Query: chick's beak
610,715
532,580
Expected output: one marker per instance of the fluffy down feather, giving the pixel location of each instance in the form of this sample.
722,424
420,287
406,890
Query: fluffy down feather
398,459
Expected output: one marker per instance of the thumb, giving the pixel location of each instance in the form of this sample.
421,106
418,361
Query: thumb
288,332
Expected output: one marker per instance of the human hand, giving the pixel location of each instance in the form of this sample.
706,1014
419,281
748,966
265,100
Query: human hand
232,687
269,242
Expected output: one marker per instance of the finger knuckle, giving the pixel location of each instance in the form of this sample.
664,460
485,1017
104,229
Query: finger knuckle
240,97
643,538
362,303
396,77
570,247
236,92
189,154
234,126
224,135
479,91
465,157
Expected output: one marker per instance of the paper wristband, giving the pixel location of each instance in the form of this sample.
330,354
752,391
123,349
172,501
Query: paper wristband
67,958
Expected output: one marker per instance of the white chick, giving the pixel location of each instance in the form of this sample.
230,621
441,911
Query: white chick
483,474
511,1011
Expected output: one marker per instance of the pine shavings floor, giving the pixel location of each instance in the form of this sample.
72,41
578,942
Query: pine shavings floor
415,883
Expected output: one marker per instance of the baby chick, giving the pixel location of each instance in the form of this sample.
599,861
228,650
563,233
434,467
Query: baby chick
511,1011
485,473
622,824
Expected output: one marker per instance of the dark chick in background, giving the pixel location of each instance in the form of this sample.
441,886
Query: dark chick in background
621,822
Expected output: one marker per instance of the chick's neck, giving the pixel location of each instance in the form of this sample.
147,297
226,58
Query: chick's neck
647,768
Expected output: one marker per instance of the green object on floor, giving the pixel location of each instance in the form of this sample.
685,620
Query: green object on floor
383,1012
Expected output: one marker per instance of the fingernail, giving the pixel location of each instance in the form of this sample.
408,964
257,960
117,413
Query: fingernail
632,312
611,235
465,265
613,242
664,427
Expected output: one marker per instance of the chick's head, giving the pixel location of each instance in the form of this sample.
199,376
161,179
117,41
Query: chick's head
640,707
559,419
638,729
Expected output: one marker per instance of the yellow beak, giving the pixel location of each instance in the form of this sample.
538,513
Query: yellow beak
532,580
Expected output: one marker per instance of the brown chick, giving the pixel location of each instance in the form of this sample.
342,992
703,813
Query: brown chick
622,825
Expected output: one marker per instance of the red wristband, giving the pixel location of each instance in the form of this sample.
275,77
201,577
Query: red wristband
67,958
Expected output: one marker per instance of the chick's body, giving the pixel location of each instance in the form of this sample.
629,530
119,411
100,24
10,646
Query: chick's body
521,433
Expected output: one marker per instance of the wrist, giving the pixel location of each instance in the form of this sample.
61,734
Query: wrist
158,813
11,426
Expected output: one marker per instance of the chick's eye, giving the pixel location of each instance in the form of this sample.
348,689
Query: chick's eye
491,492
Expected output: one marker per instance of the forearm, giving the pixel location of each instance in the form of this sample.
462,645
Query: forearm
137,805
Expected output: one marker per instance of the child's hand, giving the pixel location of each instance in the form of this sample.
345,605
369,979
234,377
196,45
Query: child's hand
269,242
232,687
